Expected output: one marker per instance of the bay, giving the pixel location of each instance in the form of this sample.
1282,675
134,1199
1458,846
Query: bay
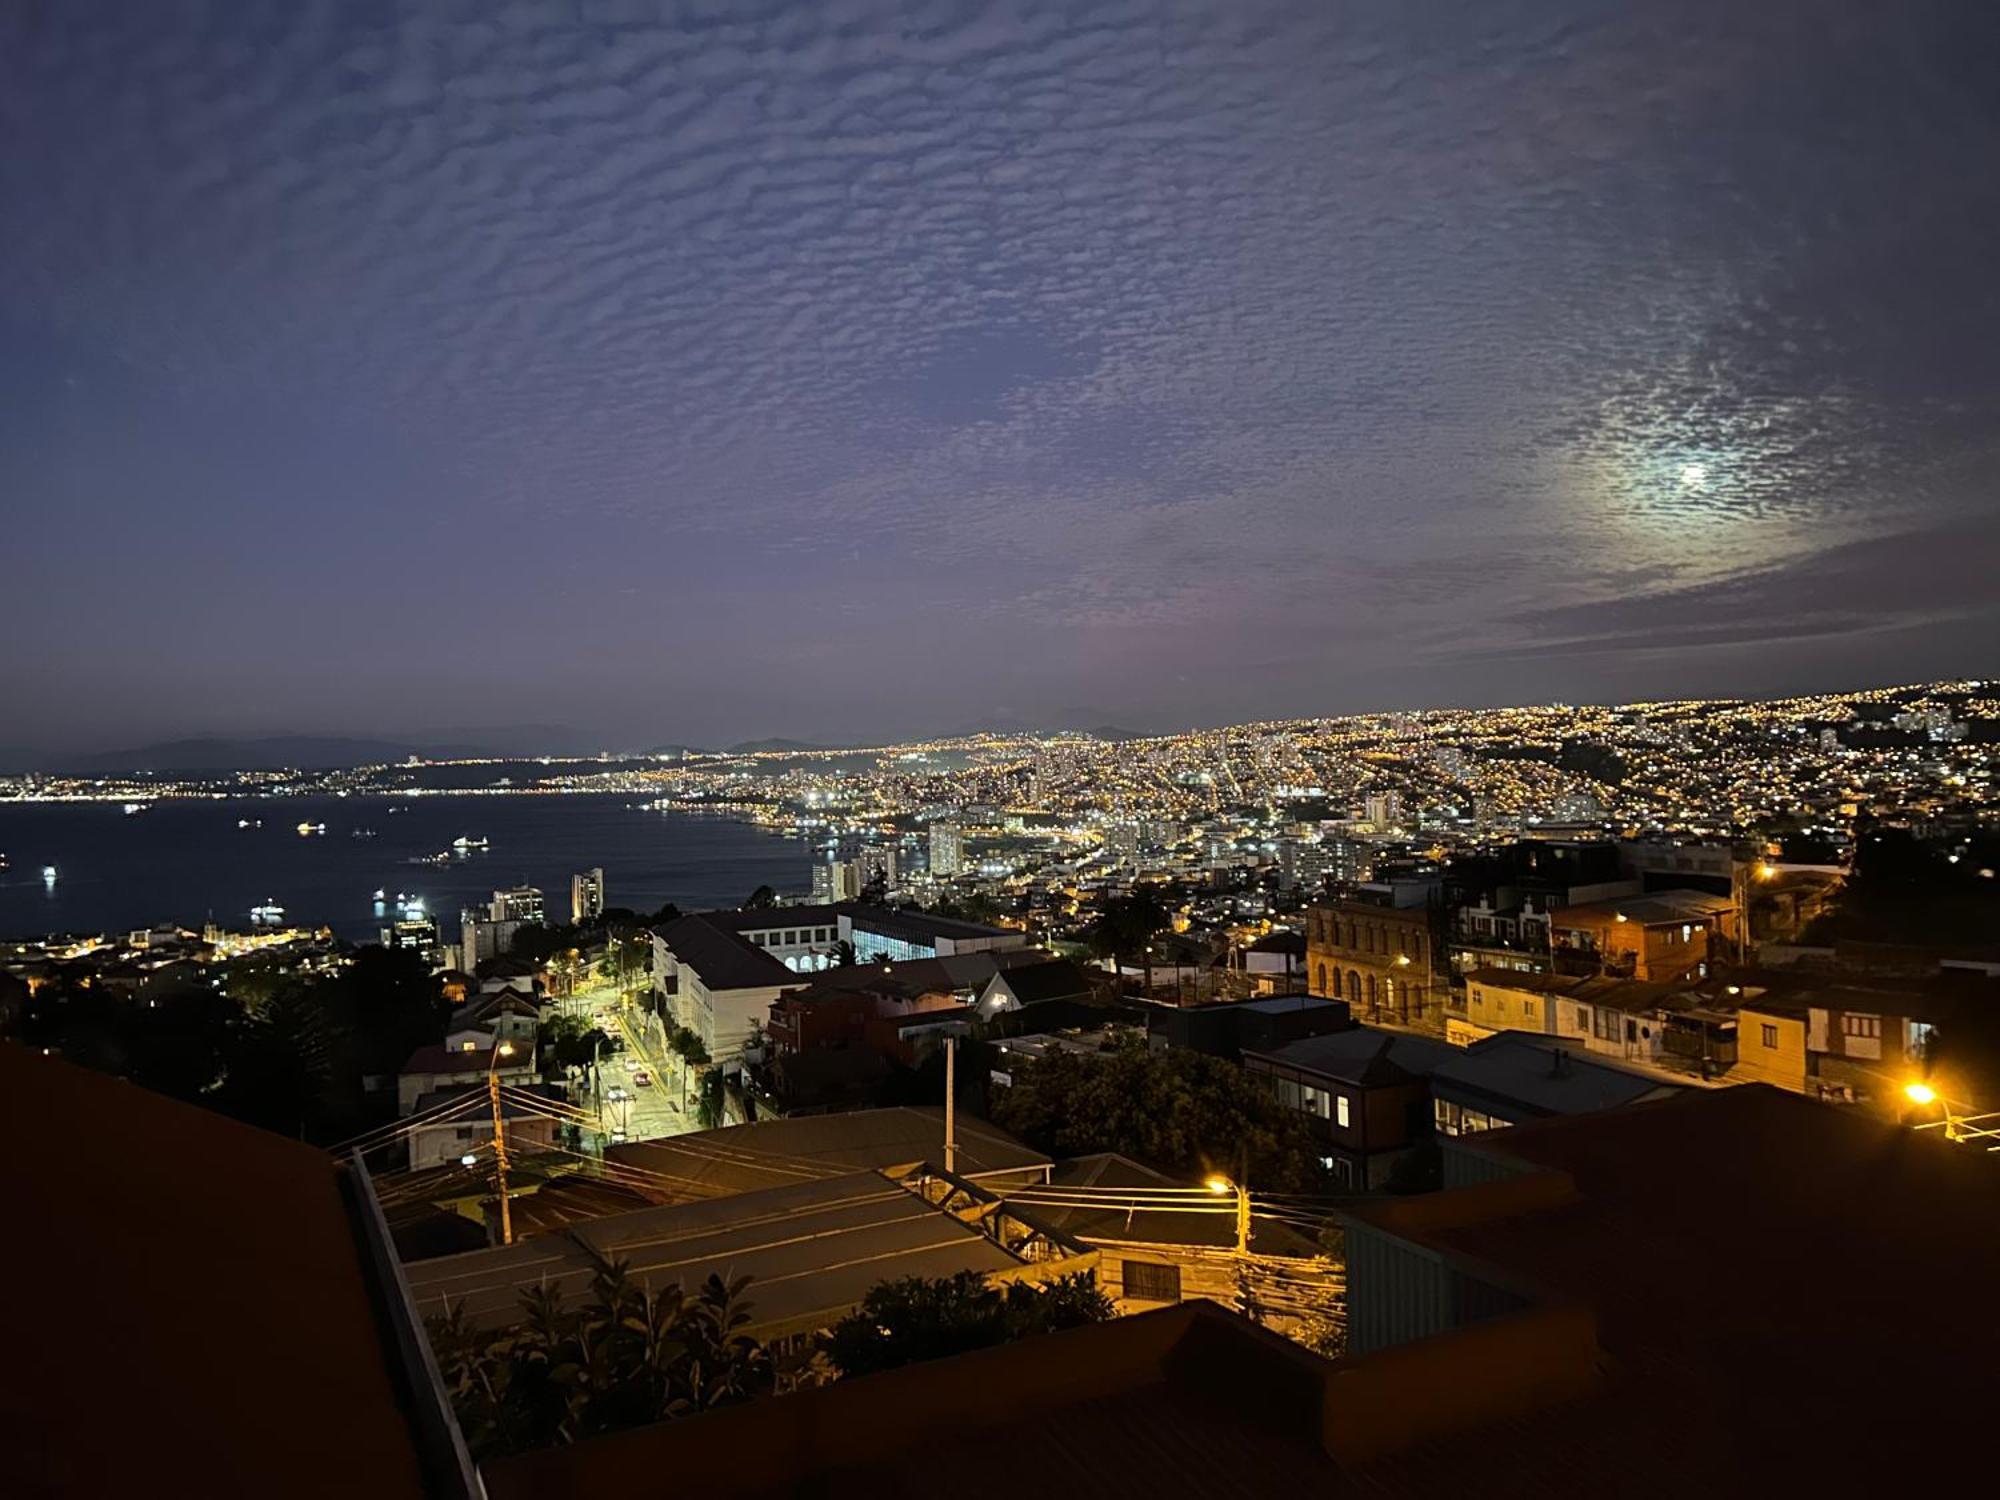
187,861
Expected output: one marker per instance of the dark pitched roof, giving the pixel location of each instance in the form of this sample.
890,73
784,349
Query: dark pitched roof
1058,979
451,1060
1725,1243
1362,1055
213,1272
723,959
1544,1075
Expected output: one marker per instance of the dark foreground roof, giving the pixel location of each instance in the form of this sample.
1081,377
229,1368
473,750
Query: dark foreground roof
1803,1297
189,1311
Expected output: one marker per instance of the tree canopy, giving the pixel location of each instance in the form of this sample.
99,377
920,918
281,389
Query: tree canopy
1180,1111
919,1318
622,1357
1126,925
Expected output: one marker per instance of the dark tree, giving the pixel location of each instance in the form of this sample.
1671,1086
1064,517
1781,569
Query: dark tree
1181,1111
918,1318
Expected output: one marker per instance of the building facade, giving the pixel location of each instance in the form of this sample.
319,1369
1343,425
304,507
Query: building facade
947,850
1384,961
586,895
523,903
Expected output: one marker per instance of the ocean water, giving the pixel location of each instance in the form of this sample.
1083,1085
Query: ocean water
185,861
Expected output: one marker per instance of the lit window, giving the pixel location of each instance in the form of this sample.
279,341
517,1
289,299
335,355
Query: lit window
1340,1109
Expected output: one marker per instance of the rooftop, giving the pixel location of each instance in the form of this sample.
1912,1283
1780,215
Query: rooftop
1542,1075
812,1250
209,1271
1362,1055
1658,909
723,958
1058,979
438,1058
744,1158
1717,1239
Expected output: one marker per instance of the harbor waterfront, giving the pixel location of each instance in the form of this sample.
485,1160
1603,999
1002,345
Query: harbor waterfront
94,867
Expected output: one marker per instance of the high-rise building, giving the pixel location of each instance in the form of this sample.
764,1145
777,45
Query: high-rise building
835,880
1384,810
877,864
947,850
414,930
482,936
521,904
586,895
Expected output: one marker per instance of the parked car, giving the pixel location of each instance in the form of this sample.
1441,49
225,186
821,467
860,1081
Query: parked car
642,1080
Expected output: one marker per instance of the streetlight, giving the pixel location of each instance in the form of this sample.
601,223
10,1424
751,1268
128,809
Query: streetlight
1220,1186
1921,1093
502,1049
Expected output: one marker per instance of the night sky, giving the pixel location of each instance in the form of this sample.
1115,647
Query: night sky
841,370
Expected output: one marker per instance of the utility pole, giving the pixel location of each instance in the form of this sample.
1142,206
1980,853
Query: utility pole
500,1140
950,1104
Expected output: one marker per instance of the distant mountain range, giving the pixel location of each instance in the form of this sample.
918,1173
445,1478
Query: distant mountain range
310,752
795,747
304,752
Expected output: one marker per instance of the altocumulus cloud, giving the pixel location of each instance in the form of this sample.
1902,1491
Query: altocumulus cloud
1073,343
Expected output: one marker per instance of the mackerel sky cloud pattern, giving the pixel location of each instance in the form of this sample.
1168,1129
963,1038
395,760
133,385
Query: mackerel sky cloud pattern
696,372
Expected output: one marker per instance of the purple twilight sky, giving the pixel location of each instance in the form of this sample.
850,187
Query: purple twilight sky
695,372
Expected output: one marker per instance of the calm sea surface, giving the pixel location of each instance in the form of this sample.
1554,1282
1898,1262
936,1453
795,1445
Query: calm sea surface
182,861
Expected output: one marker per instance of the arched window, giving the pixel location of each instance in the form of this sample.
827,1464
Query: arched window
1354,988
1320,988
1371,993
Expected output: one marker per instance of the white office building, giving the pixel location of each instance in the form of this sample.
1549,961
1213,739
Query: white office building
947,850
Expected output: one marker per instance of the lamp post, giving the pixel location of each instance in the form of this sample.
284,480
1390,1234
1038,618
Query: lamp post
1923,1094
503,1049
1220,1185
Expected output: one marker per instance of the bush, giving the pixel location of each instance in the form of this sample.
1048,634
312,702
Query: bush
921,1318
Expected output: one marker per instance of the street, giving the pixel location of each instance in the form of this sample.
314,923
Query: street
646,1111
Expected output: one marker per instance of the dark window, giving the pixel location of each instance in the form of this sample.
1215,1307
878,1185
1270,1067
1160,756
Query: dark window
1770,1036
1147,1281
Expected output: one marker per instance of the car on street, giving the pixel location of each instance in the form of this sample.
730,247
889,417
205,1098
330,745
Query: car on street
643,1080
616,1094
